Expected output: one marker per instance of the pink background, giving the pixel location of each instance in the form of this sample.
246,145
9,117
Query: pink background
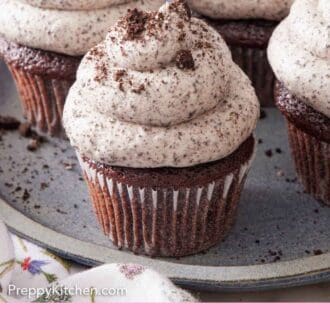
160,316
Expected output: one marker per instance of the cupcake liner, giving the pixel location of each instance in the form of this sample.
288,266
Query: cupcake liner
42,99
162,221
312,162
254,62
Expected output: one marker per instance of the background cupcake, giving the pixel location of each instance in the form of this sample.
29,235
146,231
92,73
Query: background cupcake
162,121
246,26
43,41
299,52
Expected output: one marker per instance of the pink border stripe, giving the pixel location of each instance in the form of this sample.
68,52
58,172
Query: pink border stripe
160,316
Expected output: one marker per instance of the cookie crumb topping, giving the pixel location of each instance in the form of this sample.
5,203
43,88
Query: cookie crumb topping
184,60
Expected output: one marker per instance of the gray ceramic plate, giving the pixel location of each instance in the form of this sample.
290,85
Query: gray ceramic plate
281,238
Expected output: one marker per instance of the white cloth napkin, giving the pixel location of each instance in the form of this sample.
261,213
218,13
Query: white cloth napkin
29,273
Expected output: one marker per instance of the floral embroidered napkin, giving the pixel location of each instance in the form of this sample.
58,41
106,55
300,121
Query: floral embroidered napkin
29,273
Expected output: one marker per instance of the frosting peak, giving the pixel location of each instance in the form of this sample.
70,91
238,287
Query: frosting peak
161,85
149,40
168,73
299,52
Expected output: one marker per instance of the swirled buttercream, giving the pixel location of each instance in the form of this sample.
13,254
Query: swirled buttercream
73,4
242,9
68,30
299,53
161,90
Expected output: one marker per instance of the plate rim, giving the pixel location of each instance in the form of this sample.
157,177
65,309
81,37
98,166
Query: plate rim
297,272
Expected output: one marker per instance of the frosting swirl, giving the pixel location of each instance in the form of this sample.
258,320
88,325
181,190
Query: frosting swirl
242,9
63,26
299,52
73,4
161,90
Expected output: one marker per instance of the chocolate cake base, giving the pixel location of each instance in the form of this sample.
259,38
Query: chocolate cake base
309,136
168,211
43,80
248,41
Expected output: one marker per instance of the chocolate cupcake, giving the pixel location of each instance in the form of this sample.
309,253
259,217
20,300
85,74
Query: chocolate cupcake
43,42
246,26
300,57
162,121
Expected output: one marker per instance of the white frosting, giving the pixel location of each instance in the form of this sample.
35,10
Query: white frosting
242,9
181,117
299,53
171,96
73,4
71,32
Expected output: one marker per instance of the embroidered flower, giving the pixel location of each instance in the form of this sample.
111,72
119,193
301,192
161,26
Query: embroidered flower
33,266
130,271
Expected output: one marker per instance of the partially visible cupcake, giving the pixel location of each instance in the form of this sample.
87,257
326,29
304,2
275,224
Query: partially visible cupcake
162,121
246,26
42,43
299,52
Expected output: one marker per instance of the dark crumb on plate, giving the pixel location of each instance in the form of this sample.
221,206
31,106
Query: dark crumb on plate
317,252
68,166
9,123
60,211
26,195
294,180
269,153
43,185
33,145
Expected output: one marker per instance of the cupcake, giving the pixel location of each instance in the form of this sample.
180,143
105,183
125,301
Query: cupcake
246,26
299,53
42,43
162,121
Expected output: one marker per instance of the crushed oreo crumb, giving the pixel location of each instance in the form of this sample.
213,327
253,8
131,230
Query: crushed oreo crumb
139,89
9,123
119,74
181,6
269,153
134,23
317,252
26,195
33,144
278,150
184,60
101,72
